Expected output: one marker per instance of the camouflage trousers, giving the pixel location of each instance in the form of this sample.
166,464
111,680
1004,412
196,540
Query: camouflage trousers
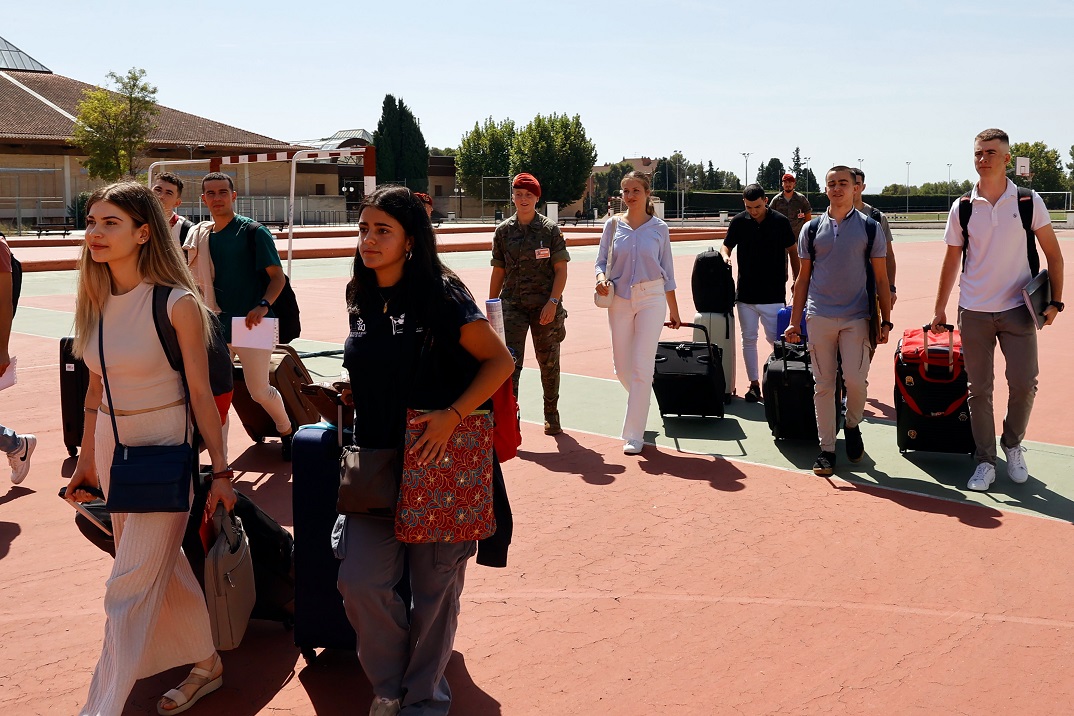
517,321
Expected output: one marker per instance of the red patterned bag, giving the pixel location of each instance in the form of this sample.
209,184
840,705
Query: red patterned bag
450,501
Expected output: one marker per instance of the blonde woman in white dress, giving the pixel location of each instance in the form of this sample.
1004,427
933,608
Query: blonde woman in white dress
155,609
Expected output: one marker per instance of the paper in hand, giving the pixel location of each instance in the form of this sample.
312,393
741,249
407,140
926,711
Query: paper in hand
264,335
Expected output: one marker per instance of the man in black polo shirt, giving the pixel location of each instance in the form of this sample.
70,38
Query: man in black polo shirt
764,240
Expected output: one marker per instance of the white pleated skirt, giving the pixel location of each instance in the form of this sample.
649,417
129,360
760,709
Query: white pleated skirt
155,611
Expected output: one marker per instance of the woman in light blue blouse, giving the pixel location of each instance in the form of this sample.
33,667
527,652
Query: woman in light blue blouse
644,282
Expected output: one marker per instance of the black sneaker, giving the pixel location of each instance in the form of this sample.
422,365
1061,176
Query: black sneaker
824,465
753,395
285,445
854,445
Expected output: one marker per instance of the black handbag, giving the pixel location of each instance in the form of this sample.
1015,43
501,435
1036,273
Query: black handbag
147,478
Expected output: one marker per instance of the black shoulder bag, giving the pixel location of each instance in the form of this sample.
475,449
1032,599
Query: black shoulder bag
147,478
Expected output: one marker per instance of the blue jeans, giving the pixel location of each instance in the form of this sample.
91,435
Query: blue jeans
9,440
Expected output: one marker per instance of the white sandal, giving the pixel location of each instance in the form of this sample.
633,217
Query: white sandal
182,703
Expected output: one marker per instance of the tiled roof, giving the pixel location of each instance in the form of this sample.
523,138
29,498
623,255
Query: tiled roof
24,117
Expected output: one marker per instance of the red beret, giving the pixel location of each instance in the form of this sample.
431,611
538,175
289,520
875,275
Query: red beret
527,182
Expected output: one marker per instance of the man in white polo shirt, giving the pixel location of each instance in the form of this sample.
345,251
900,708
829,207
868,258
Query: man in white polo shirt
990,306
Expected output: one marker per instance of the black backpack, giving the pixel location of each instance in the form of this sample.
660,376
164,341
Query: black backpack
712,283
1025,212
221,370
286,305
184,229
16,280
16,284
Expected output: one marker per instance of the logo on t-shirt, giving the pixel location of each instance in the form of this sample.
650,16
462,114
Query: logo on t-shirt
397,323
358,330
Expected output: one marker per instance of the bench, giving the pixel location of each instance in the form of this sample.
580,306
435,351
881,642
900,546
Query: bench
50,224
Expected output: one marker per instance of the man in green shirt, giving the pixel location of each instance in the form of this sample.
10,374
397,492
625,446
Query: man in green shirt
248,279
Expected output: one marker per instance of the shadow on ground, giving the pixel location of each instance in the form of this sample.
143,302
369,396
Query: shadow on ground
571,458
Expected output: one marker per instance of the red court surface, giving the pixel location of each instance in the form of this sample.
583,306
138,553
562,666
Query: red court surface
665,583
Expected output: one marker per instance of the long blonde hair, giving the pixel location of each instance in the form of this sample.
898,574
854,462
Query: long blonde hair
643,179
160,261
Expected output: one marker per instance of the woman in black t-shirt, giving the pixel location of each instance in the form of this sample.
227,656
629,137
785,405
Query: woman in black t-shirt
418,340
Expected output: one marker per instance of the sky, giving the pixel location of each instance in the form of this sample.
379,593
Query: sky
879,84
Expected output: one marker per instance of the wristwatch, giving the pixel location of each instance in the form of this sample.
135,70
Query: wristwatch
555,301
892,288
264,303
887,324
1058,305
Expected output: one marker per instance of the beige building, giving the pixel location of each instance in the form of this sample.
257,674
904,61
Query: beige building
41,171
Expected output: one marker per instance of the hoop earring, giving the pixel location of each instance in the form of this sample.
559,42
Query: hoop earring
409,255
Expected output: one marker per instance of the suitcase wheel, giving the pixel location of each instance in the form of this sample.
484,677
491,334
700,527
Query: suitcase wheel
309,654
72,451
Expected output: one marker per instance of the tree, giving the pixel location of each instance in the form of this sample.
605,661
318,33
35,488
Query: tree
485,151
1070,166
669,172
729,181
796,161
607,182
112,126
712,182
445,152
555,149
402,155
1045,167
769,175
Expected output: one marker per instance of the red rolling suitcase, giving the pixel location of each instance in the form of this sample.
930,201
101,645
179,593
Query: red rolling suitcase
931,410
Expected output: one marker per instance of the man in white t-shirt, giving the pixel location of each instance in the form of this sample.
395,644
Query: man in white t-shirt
169,190
990,306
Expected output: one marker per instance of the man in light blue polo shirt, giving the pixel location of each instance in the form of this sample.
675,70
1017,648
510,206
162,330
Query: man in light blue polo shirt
832,290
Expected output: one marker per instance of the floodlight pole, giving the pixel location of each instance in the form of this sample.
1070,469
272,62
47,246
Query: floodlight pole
948,185
907,190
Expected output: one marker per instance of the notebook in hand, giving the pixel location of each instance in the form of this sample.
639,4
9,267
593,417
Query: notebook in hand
1037,294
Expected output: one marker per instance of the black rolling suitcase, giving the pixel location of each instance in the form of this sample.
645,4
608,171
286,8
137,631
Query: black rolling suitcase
320,620
931,412
787,386
688,377
74,382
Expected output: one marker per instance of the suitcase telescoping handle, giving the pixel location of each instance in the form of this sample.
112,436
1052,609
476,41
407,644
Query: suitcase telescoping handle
708,341
950,330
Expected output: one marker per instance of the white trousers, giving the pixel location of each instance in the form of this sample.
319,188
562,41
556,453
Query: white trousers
255,369
635,326
749,316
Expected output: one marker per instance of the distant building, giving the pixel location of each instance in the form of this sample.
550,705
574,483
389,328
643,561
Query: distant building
41,171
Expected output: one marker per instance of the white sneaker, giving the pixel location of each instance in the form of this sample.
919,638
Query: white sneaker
1016,464
20,459
983,477
384,707
632,447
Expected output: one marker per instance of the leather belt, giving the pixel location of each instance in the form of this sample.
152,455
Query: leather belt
123,413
